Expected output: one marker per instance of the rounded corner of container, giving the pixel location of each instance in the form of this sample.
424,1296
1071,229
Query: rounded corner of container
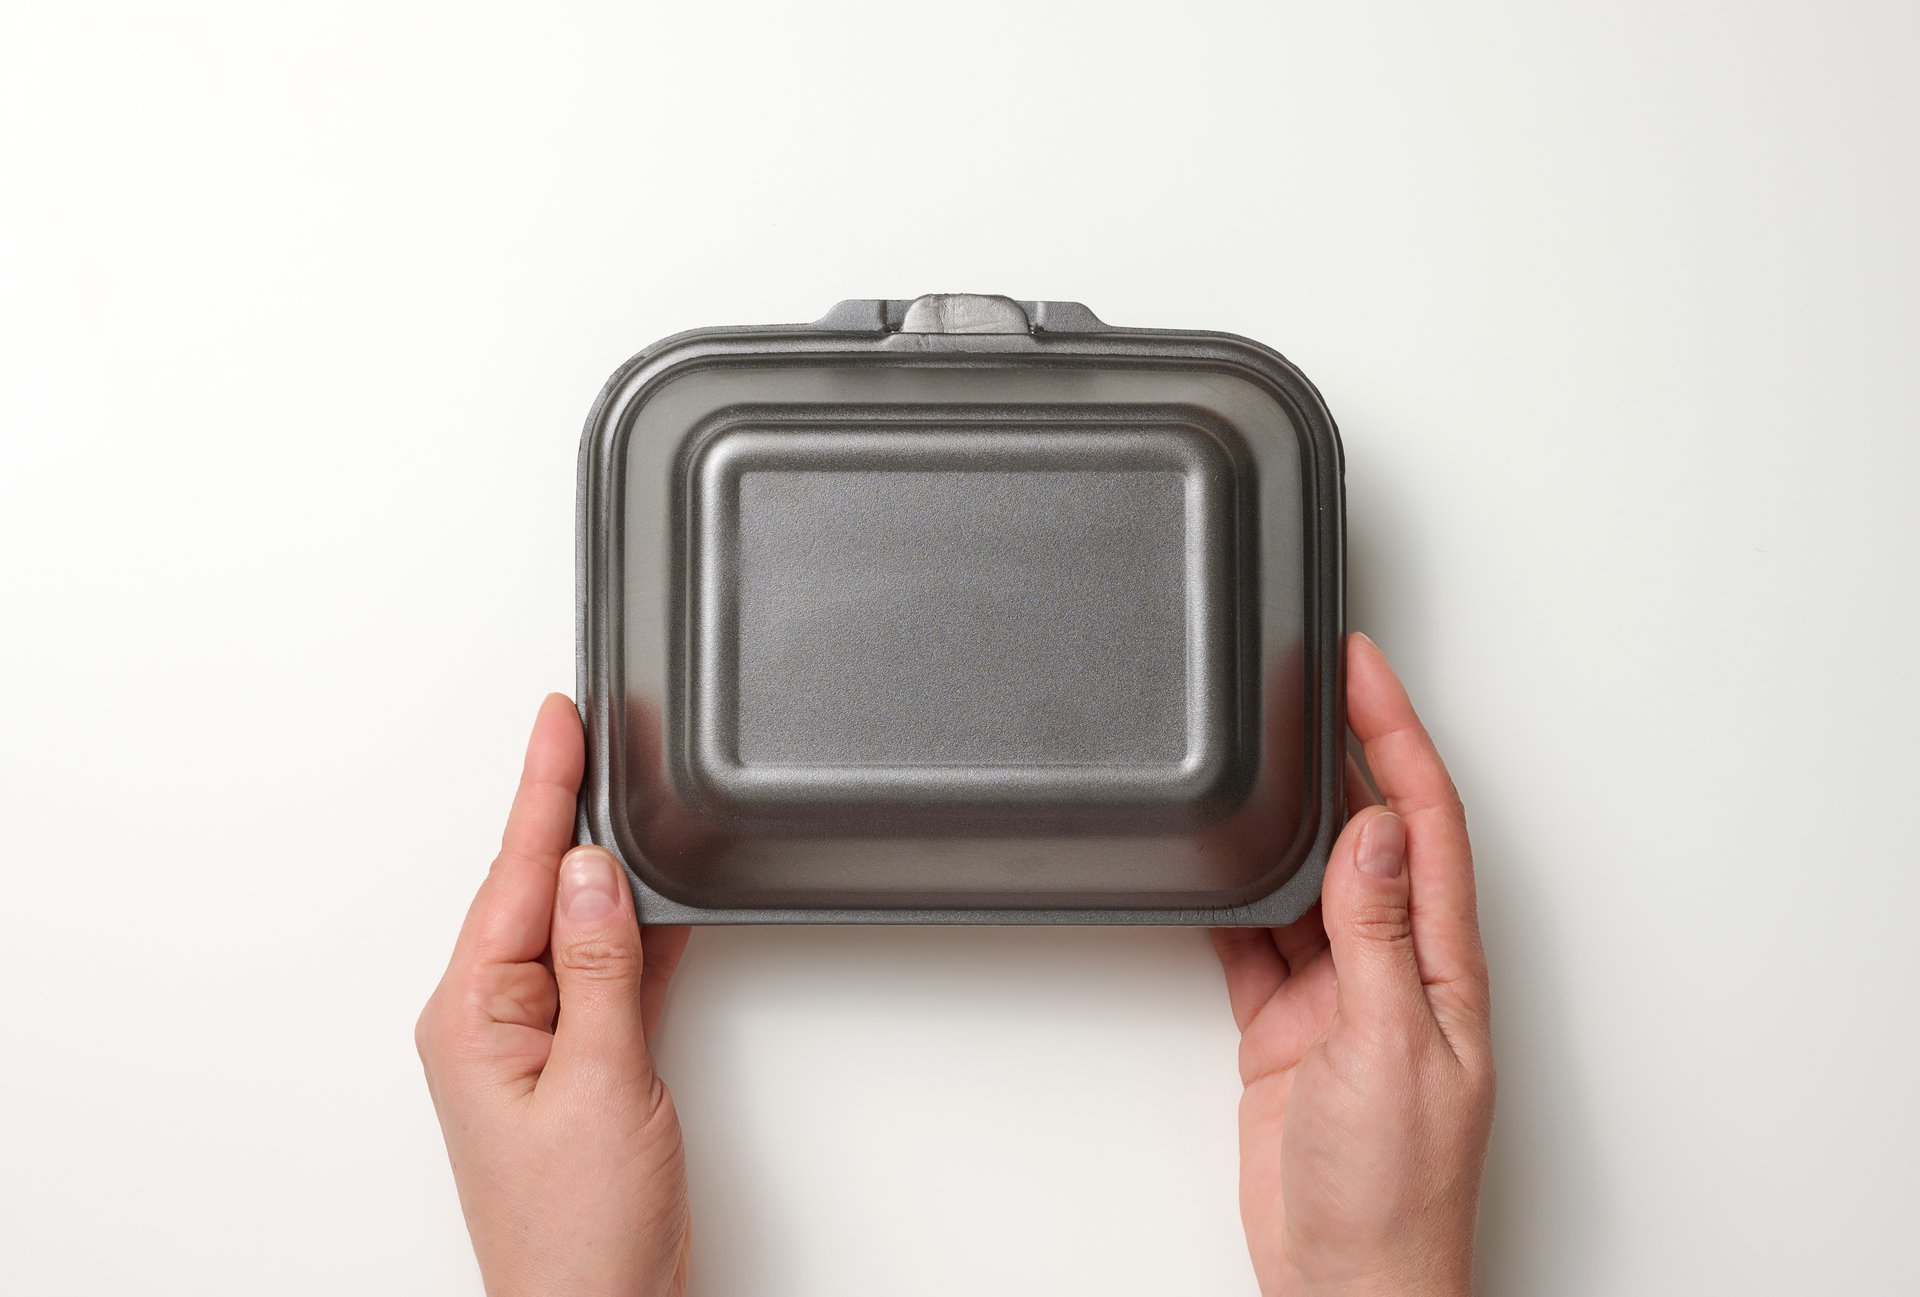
652,906
633,377
1276,366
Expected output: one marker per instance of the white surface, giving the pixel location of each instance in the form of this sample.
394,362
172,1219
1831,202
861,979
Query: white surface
301,309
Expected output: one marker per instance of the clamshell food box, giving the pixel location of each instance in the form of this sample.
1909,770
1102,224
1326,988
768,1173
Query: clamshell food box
962,610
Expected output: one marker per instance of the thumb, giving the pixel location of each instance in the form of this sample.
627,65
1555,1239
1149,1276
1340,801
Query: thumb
1367,905
597,967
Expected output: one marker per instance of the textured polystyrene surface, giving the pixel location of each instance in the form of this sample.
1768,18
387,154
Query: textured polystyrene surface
1014,618
982,608
980,628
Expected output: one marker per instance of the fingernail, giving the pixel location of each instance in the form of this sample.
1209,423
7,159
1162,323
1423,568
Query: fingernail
589,885
1383,846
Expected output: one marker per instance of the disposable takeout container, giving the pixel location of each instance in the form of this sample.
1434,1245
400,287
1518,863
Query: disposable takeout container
962,610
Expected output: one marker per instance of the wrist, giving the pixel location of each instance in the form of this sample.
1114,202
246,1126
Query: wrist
1432,1277
1409,1286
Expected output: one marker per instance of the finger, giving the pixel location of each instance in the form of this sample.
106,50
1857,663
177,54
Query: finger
511,1033
1399,752
1415,784
1306,936
1252,974
1369,925
540,824
1302,939
600,1037
1291,1023
517,995
513,914
1253,968
663,948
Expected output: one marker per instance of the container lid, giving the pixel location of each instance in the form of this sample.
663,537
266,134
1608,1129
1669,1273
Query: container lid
962,609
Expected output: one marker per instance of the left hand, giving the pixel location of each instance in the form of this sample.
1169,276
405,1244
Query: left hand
564,1142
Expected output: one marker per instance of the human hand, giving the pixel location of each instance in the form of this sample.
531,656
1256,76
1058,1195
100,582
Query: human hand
564,1142
1365,1050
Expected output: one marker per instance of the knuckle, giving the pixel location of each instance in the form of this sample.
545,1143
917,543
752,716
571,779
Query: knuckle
1475,1033
1475,1081
433,1031
1383,921
661,1116
525,996
1260,1055
598,958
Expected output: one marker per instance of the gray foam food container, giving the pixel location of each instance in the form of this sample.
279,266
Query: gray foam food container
962,610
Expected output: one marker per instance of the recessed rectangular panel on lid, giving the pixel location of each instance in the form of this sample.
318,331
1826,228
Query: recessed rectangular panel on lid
983,609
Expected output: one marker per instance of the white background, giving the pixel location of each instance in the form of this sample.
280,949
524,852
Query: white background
301,309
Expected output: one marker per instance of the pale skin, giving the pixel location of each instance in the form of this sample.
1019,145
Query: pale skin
1365,1050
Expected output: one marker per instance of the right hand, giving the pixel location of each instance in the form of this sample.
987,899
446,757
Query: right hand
1365,1049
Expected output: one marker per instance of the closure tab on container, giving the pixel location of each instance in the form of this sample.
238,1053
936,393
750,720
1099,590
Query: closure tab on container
965,313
